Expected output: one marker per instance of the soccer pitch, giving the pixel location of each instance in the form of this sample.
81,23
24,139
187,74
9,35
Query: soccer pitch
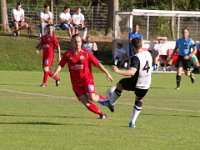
35,118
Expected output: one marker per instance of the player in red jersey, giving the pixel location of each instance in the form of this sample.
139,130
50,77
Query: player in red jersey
47,44
80,63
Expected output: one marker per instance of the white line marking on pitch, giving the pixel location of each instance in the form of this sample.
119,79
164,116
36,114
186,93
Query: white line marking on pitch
65,97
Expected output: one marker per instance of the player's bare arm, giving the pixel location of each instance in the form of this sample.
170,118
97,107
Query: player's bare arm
103,69
193,52
170,59
38,49
129,72
57,70
59,53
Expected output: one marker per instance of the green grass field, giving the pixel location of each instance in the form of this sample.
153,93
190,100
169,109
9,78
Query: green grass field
35,118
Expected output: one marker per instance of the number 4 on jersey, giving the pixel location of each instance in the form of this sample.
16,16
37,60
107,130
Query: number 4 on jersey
146,67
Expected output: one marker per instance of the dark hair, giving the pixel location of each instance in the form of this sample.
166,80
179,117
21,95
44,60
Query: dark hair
119,44
135,25
186,28
19,3
66,7
136,43
74,36
46,5
78,7
49,25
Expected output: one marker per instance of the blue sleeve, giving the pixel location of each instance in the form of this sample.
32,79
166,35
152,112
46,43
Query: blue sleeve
141,35
176,44
193,45
130,34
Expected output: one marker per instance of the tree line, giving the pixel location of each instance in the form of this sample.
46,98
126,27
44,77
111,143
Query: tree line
112,5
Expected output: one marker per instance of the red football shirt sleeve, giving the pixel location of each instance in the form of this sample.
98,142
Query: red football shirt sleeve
93,59
56,42
64,60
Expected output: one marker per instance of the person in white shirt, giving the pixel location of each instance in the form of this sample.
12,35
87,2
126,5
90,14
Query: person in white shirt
46,18
90,45
19,19
161,47
120,56
78,22
65,20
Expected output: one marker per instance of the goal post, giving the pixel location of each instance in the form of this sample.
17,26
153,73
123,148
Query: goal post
154,23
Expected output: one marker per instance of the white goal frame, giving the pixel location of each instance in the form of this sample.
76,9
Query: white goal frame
148,13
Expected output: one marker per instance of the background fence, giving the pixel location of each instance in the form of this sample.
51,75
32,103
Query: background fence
95,17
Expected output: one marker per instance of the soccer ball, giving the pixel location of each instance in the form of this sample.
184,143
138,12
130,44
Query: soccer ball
110,91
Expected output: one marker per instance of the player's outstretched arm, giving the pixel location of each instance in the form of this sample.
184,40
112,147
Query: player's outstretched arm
59,54
129,72
170,59
38,48
103,69
57,70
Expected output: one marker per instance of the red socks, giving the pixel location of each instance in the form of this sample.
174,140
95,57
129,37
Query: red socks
93,108
51,74
45,78
101,97
48,73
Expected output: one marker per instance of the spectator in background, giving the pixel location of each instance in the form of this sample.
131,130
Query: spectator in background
132,35
19,19
160,46
120,56
78,22
46,18
184,48
47,44
91,46
66,20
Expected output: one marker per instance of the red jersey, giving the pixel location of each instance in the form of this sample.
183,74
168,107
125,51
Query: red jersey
79,65
48,43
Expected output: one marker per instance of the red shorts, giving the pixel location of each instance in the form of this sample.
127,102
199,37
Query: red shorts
83,90
47,61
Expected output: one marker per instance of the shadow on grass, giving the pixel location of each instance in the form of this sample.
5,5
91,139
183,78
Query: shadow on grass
167,115
45,123
32,116
16,84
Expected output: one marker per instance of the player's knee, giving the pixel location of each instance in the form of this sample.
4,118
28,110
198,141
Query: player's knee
46,68
119,87
138,101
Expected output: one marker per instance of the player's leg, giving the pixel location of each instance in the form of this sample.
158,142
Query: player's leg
45,76
123,84
186,67
179,66
72,29
178,77
16,27
114,97
140,93
83,98
84,32
91,94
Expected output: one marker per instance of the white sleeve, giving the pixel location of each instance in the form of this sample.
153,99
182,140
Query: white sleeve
50,15
83,18
41,14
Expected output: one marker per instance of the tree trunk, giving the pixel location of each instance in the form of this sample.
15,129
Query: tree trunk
4,16
113,5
